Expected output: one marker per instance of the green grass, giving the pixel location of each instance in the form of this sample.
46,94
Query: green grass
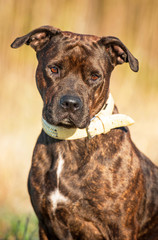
15,227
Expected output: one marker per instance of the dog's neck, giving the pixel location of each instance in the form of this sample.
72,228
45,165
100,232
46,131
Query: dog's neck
102,122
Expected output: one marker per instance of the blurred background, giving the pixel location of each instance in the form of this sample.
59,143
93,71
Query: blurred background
136,94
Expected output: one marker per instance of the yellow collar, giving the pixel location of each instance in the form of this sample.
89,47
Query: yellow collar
102,122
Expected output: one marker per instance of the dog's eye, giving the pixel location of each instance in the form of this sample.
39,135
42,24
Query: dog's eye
94,77
54,69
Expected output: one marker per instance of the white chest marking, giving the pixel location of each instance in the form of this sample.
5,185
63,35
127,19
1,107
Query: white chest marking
59,169
56,196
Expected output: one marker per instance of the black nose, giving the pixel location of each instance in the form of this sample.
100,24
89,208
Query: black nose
70,103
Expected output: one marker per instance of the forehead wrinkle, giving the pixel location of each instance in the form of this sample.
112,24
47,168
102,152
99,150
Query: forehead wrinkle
79,52
78,58
73,46
86,47
75,55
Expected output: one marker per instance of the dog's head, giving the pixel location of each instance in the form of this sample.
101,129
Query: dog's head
73,72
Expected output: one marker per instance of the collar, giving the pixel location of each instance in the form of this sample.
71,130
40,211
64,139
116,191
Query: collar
102,122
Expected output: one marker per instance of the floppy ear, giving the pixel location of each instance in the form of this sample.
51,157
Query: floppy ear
119,53
37,38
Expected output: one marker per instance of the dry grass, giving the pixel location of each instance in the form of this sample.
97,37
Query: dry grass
134,22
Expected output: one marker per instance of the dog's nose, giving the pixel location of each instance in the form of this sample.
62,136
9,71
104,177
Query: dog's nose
70,103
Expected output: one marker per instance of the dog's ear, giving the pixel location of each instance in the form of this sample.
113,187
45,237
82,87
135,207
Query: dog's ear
37,38
119,53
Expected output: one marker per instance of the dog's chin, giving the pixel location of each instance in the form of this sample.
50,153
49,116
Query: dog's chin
68,123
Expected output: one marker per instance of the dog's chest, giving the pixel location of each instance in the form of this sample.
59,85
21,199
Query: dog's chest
73,181
68,199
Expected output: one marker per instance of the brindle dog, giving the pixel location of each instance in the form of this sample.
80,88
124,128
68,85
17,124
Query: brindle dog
86,189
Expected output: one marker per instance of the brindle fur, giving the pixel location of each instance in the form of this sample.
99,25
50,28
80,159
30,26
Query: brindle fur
111,186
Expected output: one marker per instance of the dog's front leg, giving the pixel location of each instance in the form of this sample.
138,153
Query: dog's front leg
42,234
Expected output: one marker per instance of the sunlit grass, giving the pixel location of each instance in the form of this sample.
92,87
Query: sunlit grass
18,227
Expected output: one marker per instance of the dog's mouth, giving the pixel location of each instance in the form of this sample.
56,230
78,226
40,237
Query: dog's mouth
70,122
67,120
67,123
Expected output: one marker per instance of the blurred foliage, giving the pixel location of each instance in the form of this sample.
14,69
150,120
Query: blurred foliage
15,227
133,21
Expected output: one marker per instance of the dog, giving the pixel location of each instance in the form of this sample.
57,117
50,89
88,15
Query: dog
87,183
